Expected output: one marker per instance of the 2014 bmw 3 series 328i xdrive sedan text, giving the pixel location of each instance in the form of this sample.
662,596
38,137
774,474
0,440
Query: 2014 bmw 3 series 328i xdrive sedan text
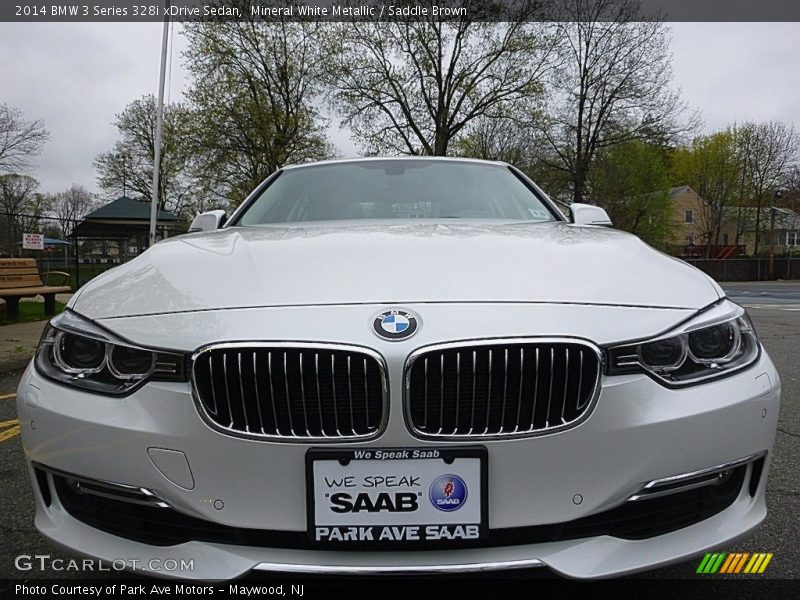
400,365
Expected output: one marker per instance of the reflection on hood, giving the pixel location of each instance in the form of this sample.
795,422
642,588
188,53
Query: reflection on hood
402,262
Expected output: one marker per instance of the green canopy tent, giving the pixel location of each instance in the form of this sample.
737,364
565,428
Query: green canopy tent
122,220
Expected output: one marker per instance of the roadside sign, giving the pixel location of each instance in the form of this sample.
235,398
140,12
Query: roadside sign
33,241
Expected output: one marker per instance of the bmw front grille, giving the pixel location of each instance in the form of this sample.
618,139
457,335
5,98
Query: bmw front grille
501,388
291,391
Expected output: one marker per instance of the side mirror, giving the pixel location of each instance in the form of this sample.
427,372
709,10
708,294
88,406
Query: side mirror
588,214
208,221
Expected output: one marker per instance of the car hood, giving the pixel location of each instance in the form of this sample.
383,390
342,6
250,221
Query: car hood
372,263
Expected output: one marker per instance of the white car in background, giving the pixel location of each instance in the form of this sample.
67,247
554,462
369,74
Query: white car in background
397,355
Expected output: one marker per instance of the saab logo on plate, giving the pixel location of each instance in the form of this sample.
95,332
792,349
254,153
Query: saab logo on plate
395,324
448,493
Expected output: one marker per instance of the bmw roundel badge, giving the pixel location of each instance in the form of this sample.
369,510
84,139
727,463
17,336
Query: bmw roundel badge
395,324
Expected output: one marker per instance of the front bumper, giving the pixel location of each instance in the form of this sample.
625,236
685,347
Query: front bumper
638,432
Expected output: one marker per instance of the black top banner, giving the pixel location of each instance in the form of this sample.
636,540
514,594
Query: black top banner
396,10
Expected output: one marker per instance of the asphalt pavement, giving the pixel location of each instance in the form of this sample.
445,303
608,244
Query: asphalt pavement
768,293
778,323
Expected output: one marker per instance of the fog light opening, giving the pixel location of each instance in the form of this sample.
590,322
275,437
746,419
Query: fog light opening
44,486
755,476
725,487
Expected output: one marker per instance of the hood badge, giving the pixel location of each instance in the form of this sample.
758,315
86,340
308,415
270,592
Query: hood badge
395,324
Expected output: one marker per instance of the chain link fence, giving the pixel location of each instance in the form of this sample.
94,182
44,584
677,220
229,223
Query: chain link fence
94,256
83,258
748,269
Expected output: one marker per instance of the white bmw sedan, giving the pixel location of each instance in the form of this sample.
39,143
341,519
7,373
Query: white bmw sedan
399,365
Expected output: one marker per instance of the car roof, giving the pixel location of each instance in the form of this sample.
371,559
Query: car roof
400,158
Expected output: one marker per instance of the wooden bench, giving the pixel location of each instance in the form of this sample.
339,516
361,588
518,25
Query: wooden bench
19,278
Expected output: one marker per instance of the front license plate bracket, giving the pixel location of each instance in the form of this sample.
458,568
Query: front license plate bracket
389,497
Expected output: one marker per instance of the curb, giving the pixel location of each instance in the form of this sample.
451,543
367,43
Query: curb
12,363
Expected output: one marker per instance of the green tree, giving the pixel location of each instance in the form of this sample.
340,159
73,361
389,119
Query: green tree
631,181
713,167
128,167
254,88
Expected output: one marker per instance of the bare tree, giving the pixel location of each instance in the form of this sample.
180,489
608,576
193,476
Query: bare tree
70,206
20,140
502,138
128,168
22,206
792,186
254,89
768,153
615,86
414,86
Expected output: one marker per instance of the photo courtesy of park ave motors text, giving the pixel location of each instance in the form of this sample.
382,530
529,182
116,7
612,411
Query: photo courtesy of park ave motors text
392,293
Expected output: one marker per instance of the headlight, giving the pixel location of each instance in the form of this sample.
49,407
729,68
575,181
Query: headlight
80,353
717,342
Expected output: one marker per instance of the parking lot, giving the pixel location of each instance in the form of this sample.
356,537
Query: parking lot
775,309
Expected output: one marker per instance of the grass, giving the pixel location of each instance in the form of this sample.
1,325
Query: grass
87,273
31,311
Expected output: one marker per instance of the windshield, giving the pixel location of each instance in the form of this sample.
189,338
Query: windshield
396,189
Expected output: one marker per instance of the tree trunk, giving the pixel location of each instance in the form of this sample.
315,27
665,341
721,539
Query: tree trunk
739,225
580,180
758,227
10,228
441,142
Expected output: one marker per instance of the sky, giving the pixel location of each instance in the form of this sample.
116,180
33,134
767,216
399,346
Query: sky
77,76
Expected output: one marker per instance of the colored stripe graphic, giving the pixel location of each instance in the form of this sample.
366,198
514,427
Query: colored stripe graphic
740,564
751,564
735,562
758,563
728,563
711,562
764,564
754,563
703,563
715,567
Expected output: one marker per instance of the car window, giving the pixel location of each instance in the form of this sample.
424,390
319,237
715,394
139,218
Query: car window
396,189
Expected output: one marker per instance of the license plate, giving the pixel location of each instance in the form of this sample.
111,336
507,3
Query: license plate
387,496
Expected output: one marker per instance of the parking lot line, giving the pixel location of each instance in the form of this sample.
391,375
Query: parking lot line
9,423
9,433
783,307
8,396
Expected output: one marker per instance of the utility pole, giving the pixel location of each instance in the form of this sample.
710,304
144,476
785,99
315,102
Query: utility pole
776,195
154,197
